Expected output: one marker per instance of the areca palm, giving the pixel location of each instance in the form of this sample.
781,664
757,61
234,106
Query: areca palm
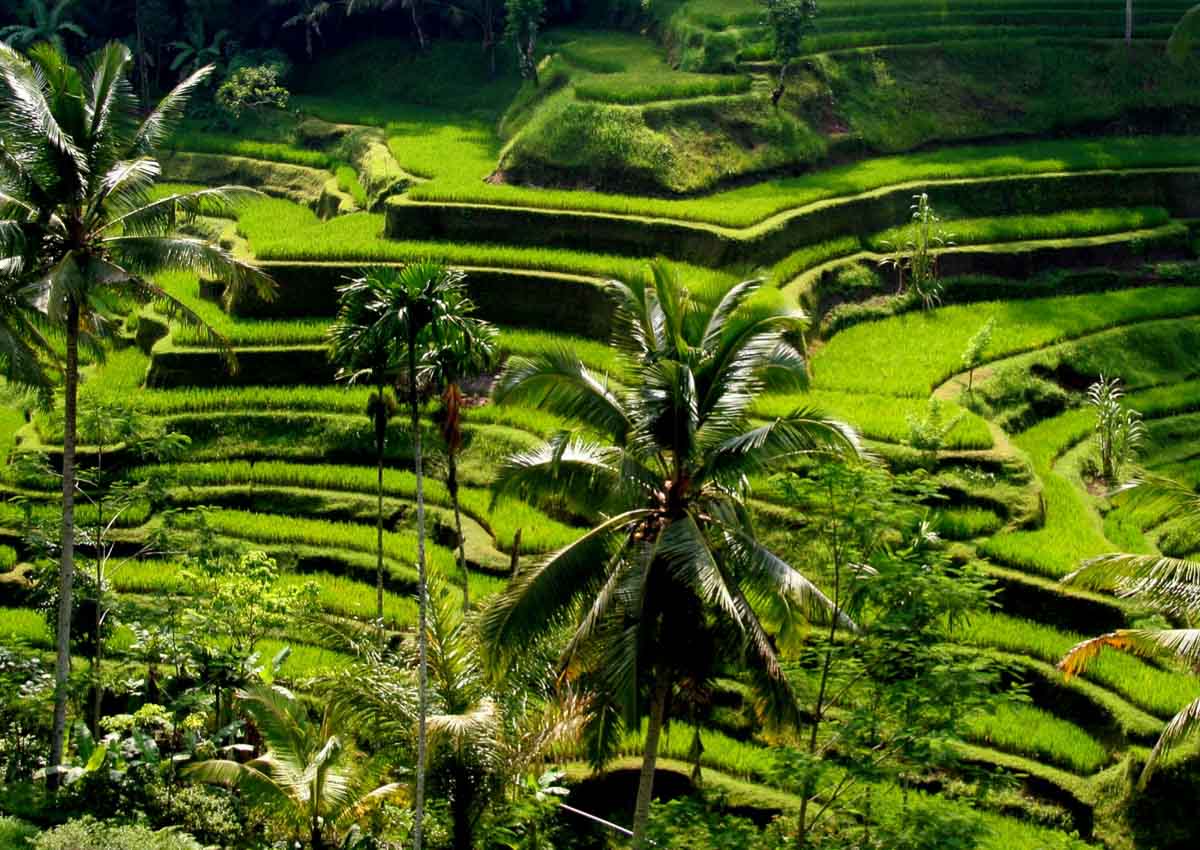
415,308
44,22
674,549
79,219
366,351
309,775
1169,585
467,350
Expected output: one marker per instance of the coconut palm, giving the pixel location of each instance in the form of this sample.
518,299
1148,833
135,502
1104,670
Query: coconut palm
44,22
468,350
667,473
309,775
414,306
77,170
309,14
366,351
1169,585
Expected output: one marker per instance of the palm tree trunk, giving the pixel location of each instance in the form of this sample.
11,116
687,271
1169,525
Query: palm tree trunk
380,437
98,648
62,665
422,602
452,486
658,710
1128,23
415,7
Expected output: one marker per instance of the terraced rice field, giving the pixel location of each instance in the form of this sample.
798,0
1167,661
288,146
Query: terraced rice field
288,467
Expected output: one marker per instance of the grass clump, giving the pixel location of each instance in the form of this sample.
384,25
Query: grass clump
1035,732
912,353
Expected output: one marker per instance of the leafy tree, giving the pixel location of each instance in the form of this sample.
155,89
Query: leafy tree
43,22
915,260
105,425
667,471
78,169
195,50
252,89
522,23
977,346
409,310
1119,430
1165,584
467,351
790,21
309,775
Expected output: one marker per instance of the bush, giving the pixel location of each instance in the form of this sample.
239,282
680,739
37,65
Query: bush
90,834
14,833
252,89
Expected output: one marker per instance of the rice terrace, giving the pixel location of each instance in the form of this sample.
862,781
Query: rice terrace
579,424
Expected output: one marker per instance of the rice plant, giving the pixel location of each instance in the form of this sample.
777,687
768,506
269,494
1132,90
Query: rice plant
1032,731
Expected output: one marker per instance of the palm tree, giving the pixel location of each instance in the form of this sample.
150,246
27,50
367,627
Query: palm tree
675,548
365,350
309,14
77,172
484,739
308,775
44,23
414,306
1169,585
466,351
413,6
195,50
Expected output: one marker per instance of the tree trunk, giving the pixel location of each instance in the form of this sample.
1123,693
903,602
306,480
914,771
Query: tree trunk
380,438
460,811
452,486
780,86
62,665
415,7
422,602
658,710
98,649
1128,23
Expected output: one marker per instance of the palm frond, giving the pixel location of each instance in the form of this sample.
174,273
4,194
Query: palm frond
162,121
559,382
1182,725
1185,35
258,787
566,468
542,596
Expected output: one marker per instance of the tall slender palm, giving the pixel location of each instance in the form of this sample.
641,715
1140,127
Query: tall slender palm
466,351
44,22
77,170
1169,585
366,351
415,307
675,549
308,775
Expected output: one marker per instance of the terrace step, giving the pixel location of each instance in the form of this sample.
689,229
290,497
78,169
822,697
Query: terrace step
778,235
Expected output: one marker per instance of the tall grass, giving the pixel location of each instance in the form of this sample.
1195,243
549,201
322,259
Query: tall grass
878,417
539,533
912,353
1160,692
1035,732
26,626
1015,228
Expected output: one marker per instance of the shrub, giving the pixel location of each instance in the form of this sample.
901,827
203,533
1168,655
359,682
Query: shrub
14,833
251,89
90,834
